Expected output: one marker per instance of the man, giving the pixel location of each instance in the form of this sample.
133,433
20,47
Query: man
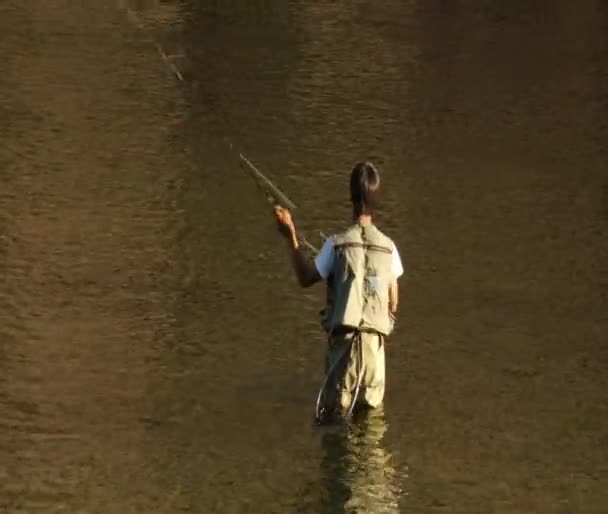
361,266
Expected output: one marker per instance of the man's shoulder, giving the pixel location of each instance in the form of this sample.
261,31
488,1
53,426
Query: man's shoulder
353,232
342,235
382,232
383,235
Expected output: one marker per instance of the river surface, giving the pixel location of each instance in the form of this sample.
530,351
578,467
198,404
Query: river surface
156,354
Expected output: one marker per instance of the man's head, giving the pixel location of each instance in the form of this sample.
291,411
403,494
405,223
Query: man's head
364,183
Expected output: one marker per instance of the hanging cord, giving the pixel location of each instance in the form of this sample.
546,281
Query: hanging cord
357,342
324,384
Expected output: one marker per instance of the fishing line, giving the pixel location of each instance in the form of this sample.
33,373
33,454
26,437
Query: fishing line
276,197
357,343
272,193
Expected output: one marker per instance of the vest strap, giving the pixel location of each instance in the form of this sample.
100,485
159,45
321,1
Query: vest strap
366,246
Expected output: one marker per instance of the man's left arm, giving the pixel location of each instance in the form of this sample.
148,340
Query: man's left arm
393,299
397,271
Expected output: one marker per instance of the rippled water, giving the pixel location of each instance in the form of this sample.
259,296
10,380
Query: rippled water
155,353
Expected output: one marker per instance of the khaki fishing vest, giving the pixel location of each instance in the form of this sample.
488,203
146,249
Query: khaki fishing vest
358,287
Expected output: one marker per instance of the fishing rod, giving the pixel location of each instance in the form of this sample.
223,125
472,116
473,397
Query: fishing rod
274,196
273,192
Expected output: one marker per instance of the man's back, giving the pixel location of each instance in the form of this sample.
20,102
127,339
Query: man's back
358,266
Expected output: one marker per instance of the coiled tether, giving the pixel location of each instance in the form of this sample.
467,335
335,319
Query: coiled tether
358,341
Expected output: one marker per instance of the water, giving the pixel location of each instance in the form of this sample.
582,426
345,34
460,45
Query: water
156,355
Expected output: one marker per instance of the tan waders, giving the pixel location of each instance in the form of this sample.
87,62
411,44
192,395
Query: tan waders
355,375
357,318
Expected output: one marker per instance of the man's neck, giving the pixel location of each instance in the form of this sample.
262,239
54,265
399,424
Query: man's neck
363,219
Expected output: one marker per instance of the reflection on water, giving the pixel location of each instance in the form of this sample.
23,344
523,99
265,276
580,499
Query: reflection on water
357,469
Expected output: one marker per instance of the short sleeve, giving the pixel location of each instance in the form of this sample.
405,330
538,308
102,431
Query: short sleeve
324,262
397,265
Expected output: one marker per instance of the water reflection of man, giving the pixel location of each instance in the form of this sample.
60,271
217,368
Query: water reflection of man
361,266
358,474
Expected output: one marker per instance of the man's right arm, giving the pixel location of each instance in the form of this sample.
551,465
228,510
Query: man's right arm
305,270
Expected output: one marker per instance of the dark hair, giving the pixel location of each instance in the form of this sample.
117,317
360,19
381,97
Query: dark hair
364,182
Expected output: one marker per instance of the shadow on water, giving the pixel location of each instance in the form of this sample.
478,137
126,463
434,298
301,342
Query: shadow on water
357,470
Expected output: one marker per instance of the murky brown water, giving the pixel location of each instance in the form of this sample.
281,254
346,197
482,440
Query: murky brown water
156,355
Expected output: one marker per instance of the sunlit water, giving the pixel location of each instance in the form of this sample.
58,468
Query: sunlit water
156,354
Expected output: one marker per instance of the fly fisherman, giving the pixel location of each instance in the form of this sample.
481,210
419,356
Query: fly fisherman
361,266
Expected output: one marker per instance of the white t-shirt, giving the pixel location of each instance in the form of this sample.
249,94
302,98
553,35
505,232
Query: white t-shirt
324,261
